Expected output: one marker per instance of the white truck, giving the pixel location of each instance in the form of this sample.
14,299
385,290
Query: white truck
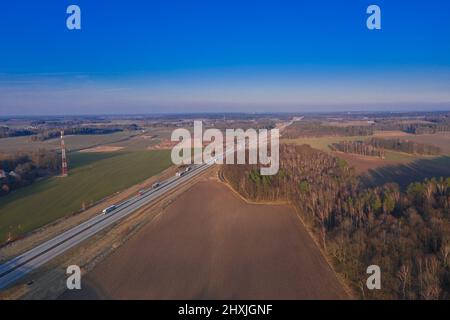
109,209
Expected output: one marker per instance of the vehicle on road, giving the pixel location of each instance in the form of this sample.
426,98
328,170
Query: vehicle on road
156,185
141,192
10,272
109,209
181,173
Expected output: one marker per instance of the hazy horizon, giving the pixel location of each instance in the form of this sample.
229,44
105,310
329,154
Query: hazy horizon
213,57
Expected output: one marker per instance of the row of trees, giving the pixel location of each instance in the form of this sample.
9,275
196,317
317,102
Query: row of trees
23,169
6,132
358,147
375,147
54,133
406,233
45,132
316,128
406,146
428,128
301,129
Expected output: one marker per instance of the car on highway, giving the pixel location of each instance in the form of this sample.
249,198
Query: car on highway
156,185
109,209
141,192
181,173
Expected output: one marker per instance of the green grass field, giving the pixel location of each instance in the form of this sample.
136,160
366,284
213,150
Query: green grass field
322,143
93,176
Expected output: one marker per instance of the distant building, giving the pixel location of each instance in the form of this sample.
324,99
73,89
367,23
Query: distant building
13,174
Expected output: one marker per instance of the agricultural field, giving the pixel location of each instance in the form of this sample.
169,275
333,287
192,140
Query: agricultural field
127,140
405,173
441,140
181,256
73,142
144,141
93,176
398,167
322,143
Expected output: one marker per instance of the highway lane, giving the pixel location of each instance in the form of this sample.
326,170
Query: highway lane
18,267
73,231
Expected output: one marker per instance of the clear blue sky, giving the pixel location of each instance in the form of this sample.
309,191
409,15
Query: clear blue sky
223,55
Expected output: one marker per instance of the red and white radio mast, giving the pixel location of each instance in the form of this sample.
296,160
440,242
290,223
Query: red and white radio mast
64,170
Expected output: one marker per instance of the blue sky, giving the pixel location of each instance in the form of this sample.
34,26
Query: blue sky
216,55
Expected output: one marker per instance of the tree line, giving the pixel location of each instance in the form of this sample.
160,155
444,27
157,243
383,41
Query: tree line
405,232
52,131
6,132
23,169
406,146
419,127
358,147
375,147
51,134
301,129
428,128
304,129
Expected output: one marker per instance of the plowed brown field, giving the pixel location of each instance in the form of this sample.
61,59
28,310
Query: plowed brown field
211,244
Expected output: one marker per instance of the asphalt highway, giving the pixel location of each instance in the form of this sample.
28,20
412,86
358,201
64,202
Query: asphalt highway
16,268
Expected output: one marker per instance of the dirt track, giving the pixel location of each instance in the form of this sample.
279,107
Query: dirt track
210,244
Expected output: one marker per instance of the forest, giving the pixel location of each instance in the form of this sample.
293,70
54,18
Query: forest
405,232
23,169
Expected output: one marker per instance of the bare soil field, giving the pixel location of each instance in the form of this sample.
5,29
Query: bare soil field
364,164
211,244
406,173
163,144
